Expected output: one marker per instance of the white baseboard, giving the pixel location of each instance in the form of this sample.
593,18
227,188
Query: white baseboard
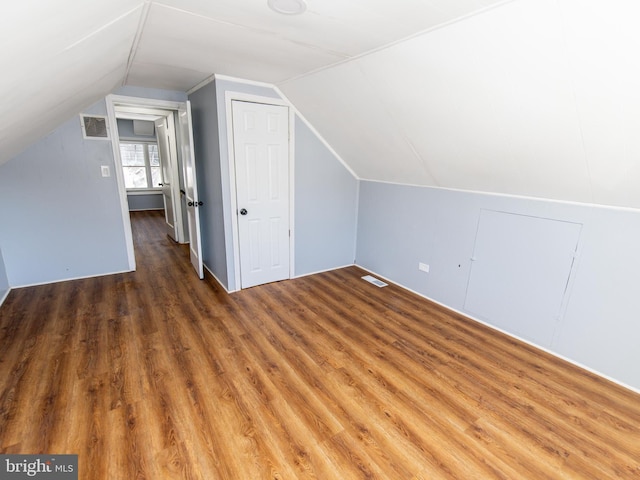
292,278
4,296
218,280
323,271
493,327
71,279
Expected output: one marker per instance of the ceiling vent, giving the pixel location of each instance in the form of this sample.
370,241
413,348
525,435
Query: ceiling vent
94,127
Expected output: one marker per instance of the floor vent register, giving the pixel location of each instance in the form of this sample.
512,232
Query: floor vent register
375,281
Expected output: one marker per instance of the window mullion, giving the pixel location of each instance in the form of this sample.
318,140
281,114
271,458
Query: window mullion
147,166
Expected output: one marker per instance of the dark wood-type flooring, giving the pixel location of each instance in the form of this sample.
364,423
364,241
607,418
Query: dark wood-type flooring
158,375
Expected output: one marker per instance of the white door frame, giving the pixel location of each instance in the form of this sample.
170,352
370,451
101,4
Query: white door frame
169,161
114,101
244,97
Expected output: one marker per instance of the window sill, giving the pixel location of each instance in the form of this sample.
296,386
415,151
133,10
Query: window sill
145,191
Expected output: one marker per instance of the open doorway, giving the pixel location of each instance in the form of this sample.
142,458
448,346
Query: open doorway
151,167
140,164
163,167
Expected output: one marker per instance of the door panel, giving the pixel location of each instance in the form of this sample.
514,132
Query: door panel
191,187
274,154
261,145
167,177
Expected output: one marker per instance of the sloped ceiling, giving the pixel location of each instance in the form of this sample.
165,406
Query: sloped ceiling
526,97
534,98
59,56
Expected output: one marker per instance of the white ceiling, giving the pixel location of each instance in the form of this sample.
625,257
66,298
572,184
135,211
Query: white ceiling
525,97
58,56
536,98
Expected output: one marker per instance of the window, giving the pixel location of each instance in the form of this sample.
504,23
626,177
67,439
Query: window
141,165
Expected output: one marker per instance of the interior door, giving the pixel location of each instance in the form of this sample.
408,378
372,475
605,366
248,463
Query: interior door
191,187
261,148
164,150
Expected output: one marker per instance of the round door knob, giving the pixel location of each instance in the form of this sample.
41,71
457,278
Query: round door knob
243,211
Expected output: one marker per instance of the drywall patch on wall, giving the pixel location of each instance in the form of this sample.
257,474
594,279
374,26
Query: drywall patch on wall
520,271
600,327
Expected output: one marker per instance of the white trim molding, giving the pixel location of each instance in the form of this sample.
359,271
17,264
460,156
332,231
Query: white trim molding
133,106
84,277
230,96
111,102
325,270
512,335
297,112
317,134
217,76
217,280
4,296
507,195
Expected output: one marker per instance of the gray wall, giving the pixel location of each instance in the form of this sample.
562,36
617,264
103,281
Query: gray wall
597,326
204,112
325,197
326,206
61,219
138,202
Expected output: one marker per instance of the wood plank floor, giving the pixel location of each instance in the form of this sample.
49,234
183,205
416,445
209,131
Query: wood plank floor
157,375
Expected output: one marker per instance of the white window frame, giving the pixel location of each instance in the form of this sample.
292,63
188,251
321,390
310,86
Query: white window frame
147,165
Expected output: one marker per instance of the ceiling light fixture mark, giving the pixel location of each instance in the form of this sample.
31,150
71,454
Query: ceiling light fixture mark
288,7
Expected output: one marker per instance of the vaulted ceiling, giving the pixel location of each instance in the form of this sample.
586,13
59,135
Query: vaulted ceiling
527,97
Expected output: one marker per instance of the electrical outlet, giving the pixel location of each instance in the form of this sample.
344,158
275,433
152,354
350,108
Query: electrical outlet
104,169
423,267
